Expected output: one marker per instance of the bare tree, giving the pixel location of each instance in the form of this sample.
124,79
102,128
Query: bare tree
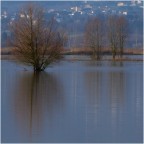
94,36
122,27
37,42
112,34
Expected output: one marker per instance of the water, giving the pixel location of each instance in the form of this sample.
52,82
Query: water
80,101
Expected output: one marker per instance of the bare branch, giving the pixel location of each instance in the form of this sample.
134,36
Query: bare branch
37,42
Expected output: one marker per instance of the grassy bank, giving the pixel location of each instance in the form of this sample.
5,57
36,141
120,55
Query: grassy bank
129,54
86,51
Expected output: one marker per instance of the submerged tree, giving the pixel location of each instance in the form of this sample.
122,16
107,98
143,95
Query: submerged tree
113,35
36,42
117,34
94,36
122,27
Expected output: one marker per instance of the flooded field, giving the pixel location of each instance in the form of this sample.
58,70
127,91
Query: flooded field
72,102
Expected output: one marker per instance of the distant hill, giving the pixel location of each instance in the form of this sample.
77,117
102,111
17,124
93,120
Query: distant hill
12,6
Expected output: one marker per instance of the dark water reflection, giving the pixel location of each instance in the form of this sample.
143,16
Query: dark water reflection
36,99
73,102
109,114
41,96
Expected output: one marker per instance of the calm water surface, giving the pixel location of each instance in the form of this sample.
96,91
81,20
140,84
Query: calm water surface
80,101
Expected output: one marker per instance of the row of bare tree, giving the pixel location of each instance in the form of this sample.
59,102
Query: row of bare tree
116,31
38,42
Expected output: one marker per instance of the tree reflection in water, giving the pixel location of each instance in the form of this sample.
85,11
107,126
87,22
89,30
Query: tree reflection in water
39,97
105,93
116,95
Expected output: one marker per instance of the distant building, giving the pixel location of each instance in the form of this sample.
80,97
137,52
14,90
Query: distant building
71,14
4,15
120,4
75,9
124,13
51,10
